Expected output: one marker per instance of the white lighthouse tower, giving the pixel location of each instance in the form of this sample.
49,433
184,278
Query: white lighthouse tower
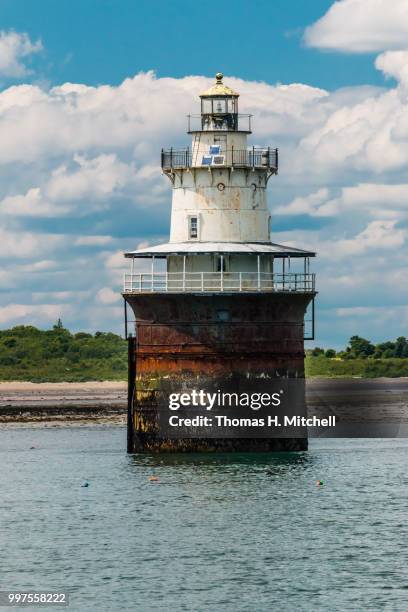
219,192
228,301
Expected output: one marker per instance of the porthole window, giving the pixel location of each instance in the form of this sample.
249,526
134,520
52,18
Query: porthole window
220,186
253,186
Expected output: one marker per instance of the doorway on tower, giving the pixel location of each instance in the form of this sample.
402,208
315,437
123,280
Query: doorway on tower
221,263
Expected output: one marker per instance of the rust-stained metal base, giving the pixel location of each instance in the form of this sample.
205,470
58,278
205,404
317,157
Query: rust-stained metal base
203,341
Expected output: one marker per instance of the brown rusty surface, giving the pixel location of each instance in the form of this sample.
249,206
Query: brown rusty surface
147,443
198,341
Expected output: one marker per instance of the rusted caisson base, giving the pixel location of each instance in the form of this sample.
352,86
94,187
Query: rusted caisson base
219,341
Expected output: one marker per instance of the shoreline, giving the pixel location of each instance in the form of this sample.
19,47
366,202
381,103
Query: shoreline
105,403
62,404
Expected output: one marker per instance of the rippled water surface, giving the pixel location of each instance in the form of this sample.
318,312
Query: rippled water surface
216,533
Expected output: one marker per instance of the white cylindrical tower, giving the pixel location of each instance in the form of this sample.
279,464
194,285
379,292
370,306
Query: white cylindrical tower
219,184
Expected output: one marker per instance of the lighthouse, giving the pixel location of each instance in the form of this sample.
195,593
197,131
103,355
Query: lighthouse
220,306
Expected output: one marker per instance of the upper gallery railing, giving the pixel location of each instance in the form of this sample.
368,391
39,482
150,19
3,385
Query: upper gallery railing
192,282
254,157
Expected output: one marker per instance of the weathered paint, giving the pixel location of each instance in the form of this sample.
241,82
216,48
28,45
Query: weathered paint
236,213
213,341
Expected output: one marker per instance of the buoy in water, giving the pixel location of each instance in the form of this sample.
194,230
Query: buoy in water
85,484
319,483
154,478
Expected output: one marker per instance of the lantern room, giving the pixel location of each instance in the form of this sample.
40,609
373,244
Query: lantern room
219,107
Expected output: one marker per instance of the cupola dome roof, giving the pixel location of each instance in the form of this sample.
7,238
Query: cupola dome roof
219,89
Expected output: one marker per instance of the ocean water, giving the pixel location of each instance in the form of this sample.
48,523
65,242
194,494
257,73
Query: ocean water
215,533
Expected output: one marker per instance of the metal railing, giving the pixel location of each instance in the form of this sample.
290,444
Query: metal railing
254,157
201,282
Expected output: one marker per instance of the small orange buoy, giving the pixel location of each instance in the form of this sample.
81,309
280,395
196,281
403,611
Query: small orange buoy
154,478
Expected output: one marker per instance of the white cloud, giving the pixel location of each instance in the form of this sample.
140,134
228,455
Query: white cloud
92,240
38,314
310,204
95,178
394,64
14,48
27,244
116,261
376,199
84,161
31,204
107,296
361,26
378,235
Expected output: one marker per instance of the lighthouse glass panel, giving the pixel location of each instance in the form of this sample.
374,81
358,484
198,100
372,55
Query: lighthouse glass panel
206,106
231,105
220,105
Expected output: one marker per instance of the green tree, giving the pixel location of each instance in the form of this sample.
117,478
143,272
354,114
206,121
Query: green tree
360,347
330,353
317,351
400,347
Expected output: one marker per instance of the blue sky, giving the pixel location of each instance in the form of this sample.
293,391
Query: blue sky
88,92
105,41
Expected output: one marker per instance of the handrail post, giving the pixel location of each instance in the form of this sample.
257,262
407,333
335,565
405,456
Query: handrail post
171,157
259,272
184,272
202,281
283,274
152,273
240,281
222,272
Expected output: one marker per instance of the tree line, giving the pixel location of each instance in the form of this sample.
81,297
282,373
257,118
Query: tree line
361,348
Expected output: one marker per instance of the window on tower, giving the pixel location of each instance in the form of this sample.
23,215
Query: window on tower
193,227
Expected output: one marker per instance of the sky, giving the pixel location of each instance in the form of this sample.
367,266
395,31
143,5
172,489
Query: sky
91,90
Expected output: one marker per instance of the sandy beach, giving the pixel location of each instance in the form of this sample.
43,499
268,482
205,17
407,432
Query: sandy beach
54,404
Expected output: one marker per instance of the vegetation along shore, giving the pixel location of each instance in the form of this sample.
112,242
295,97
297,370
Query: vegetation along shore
57,355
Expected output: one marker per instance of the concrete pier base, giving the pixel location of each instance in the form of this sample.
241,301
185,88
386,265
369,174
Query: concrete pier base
209,341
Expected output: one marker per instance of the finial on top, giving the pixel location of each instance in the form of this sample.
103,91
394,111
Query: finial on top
219,89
